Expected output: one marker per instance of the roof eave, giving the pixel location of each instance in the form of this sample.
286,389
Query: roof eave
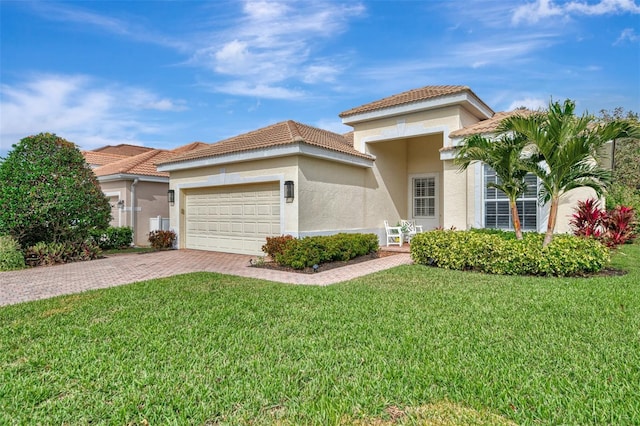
466,98
298,148
131,176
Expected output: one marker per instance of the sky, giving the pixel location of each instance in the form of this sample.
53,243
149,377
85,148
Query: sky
167,73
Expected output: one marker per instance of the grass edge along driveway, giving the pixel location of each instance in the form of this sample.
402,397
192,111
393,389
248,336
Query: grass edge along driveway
404,346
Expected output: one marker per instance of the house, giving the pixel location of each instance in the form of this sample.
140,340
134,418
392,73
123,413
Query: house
291,178
137,191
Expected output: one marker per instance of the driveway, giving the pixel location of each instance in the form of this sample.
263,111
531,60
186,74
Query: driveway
44,282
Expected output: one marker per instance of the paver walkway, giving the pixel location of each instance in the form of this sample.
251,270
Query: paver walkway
45,282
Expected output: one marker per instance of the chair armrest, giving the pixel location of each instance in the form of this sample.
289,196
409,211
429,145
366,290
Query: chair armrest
394,230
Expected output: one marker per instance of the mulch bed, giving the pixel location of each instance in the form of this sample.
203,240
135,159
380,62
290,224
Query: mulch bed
325,266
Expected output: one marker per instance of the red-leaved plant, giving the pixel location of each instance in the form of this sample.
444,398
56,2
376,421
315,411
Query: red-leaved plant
612,228
619,226
587,220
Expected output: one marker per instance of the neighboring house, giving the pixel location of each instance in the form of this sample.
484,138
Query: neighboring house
137,191
396,164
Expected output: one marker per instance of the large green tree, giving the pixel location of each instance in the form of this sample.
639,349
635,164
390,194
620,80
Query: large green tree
626,151
564,148
49,193
504,156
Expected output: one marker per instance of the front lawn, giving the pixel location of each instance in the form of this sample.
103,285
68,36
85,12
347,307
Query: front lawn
398,347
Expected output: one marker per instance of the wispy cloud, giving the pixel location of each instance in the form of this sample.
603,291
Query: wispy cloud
542,9
627,35
273,43
80,109
121,27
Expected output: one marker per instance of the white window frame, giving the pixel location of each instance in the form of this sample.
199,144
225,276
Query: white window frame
484,201
436,195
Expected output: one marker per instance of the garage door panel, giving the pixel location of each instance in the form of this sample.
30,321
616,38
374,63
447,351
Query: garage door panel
233,219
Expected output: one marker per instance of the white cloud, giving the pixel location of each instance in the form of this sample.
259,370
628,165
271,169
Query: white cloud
244,88
529,103
628,34
79,109
273,43
542,9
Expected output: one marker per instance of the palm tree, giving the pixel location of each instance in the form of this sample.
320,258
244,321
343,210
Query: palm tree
564,151
504,156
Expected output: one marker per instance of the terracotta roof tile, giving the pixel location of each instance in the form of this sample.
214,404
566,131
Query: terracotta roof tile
283,133
415,95
123,149
144,164
101,158
487,126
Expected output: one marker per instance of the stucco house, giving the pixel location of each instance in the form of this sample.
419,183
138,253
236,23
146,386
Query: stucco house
137,191
291,178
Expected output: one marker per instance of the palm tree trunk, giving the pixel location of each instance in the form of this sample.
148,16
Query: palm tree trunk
516,219
551,225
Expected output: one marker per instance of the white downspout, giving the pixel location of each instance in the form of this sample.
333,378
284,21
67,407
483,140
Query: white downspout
133,210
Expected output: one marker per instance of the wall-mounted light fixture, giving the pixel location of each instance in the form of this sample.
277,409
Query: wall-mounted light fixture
120,204
288,191
171,196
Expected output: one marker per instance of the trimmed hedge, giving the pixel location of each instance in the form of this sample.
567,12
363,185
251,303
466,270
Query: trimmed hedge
113,237
306,252
495,253
11,256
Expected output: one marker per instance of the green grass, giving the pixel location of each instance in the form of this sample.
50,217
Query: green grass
411,345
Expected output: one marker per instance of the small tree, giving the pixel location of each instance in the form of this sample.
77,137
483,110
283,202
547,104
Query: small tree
568,145
504,156
49,193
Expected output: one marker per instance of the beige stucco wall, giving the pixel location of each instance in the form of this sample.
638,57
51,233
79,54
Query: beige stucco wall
331,196
443,120
119,216
268,170
151,201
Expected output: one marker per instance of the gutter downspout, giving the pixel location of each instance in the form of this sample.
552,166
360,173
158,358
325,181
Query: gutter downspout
133,210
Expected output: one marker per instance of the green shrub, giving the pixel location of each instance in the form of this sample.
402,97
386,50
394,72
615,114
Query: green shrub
113,237
11,256
276,245
47,254
162,240
496,253
306,252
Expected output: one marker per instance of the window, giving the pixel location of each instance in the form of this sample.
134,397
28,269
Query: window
424,196
497,213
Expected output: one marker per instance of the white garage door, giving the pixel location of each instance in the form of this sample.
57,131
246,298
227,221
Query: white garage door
232,219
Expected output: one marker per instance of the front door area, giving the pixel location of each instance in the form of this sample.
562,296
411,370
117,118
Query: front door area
424,200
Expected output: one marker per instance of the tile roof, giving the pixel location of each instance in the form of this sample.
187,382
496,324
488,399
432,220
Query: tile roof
101,158
283,133
123,149
487,126
144,164
415,95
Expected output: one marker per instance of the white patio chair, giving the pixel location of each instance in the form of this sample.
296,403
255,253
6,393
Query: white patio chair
394,234
410,229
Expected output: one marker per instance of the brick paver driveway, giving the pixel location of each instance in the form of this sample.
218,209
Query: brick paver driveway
44,282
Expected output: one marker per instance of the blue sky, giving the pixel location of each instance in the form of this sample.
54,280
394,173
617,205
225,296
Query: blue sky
164,74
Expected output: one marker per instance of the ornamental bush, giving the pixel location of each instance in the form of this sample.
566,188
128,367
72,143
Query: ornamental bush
494,253
306,252
114,237
48,254
11,256
49,193
162,240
